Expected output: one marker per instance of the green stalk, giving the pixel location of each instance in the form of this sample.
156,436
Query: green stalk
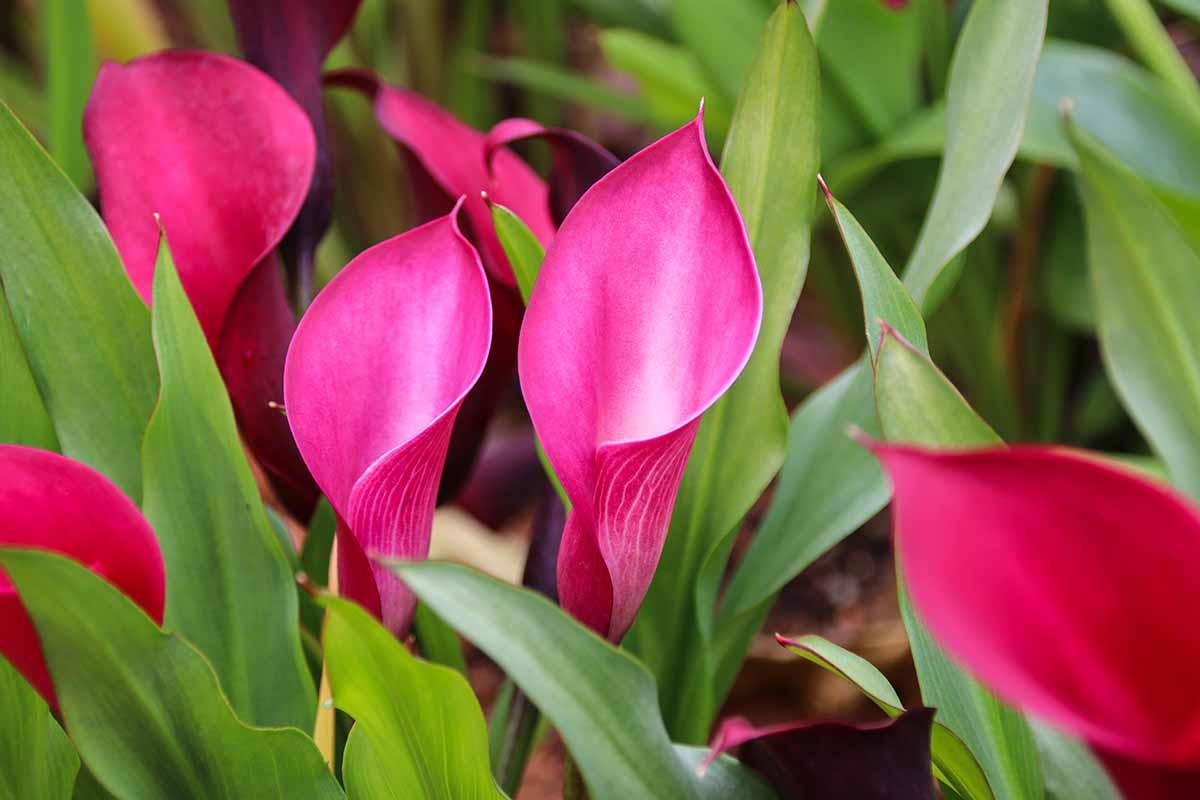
1154,47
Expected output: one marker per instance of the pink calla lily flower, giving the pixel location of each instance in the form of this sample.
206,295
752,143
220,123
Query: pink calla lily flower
1068,586
375,374
578,161
226,157
449,159
289,40
645,311
50,502
450,154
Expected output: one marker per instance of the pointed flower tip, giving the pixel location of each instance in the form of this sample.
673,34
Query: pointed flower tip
700,112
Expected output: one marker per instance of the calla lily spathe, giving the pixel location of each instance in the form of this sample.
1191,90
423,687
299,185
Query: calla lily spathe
1068,586
225,157
375,375
51,502
645,310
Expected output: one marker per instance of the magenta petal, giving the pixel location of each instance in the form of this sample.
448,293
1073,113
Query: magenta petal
254,341
452,154
216,148
1142,781
578,161
289,40
835,760
646,309
374,377
1067,585
50,502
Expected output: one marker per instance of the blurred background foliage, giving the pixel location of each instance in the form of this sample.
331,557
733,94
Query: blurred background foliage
1018,338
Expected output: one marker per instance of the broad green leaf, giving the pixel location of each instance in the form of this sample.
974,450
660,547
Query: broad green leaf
723,35
883,296
770,163
84,330
37,760
1146,284
230,590
1154,46
419,732
69,74
143,706
829,486
672,82
23,417
991,77
602,701
1070,768
952,761
918,405
998,735
524,251
873,53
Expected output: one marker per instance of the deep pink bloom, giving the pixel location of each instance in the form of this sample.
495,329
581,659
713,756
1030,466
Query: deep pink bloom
1069,587
289,40
225,157
578,161
50,502
450,153
448,159
375,374
646,309
836,760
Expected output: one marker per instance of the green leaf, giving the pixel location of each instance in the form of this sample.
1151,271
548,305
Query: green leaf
952,761
1070,768
918,405
229,587
23,417
829,486
602,701
991,78
671,80
84,330
37,760
69,75
144,707
883,296
419,732
873,53
723,35
524,251
1155,47
1146,285
560,83
525,254
771,155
